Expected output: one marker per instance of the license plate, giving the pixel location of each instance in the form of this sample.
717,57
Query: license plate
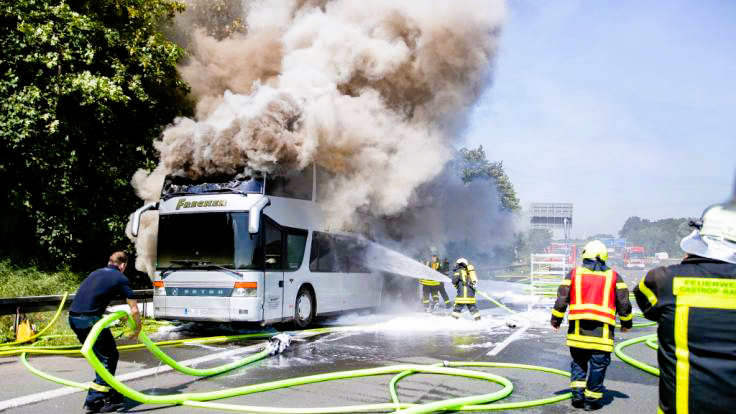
195,311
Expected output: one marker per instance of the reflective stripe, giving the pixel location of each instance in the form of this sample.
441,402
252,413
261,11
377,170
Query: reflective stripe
607,293
566,282
464,301
708,293
591,339
590,306
577,384
682,354
586,345
429,282
558,314
621,285
591,394
98,387
627,317
659,410
592,317
651,297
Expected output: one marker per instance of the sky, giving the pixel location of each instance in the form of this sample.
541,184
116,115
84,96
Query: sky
623,108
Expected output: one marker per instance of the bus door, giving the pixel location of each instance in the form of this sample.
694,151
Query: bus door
273,297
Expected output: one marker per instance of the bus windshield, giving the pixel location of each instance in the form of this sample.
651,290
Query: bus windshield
207,239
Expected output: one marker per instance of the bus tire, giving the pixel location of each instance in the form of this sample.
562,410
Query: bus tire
304,307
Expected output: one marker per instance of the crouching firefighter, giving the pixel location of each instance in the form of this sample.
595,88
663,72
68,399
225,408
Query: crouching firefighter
465,281
595,293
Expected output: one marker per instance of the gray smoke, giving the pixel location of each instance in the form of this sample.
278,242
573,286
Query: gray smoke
376,92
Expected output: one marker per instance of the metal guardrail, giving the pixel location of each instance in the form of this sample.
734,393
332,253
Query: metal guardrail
29,304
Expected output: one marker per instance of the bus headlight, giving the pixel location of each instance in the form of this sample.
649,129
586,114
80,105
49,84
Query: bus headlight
158,288
245,289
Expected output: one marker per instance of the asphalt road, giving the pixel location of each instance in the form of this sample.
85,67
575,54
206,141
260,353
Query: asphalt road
403,336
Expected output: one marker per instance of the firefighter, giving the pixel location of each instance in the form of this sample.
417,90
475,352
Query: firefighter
595,293
435,264
430,288
465,281
694,303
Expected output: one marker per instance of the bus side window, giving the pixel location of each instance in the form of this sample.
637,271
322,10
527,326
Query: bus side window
323,255
296,241
273,246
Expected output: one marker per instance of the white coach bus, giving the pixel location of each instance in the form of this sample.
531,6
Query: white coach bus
254,250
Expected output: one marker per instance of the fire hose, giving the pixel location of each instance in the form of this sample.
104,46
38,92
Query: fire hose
277,344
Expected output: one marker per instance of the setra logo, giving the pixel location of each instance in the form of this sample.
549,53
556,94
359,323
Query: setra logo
183,203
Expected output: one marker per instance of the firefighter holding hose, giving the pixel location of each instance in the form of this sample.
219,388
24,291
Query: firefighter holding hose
465,281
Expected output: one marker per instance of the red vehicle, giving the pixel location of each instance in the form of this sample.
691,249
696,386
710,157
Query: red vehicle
569,250
634,257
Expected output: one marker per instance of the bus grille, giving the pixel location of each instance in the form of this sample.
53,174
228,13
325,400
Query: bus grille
197,291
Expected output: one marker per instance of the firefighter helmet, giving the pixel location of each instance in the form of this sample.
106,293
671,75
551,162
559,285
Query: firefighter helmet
714,236
595,249
462,262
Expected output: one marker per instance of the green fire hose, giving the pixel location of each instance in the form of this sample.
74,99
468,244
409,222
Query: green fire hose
203,399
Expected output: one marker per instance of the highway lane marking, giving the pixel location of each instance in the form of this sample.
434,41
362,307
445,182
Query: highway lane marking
498,348
60,392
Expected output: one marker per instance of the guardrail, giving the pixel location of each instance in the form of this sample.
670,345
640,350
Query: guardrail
29,304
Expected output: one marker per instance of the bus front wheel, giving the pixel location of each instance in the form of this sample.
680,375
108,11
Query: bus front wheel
304,307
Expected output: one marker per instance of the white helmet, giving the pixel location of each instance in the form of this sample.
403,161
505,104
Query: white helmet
462,261
714,236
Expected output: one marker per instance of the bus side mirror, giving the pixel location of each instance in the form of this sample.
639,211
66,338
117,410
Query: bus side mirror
254,214
136,220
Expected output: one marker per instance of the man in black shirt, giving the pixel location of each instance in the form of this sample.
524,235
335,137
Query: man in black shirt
91,300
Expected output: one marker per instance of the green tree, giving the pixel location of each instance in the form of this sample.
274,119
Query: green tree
85,88
475,165
656,236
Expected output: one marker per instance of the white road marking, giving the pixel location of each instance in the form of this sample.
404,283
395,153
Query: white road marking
508,340
59,392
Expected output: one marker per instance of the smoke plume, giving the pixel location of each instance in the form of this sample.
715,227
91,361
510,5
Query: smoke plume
376,92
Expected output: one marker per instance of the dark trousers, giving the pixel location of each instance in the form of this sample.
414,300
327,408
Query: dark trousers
105,350
472,308
587,372
445,296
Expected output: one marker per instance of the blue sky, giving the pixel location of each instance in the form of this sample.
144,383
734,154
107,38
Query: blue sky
621,107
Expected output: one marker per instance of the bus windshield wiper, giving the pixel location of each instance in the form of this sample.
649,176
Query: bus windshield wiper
204,264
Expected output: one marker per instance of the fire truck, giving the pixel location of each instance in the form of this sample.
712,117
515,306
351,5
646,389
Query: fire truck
634,257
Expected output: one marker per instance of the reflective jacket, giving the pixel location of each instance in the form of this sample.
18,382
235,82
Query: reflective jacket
465,281
595,294
429,282
694,303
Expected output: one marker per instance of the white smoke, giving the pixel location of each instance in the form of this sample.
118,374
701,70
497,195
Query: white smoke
377,92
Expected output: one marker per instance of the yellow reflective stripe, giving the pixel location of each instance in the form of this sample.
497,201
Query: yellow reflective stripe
621,285
607,289
429,282
607,332
591,394
578,287
566,282
98,387
577,328
651,297
590,306
558,314
578,384
659,410
591,317
709,293
592,339
587,345
626,318
682,354
464,300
